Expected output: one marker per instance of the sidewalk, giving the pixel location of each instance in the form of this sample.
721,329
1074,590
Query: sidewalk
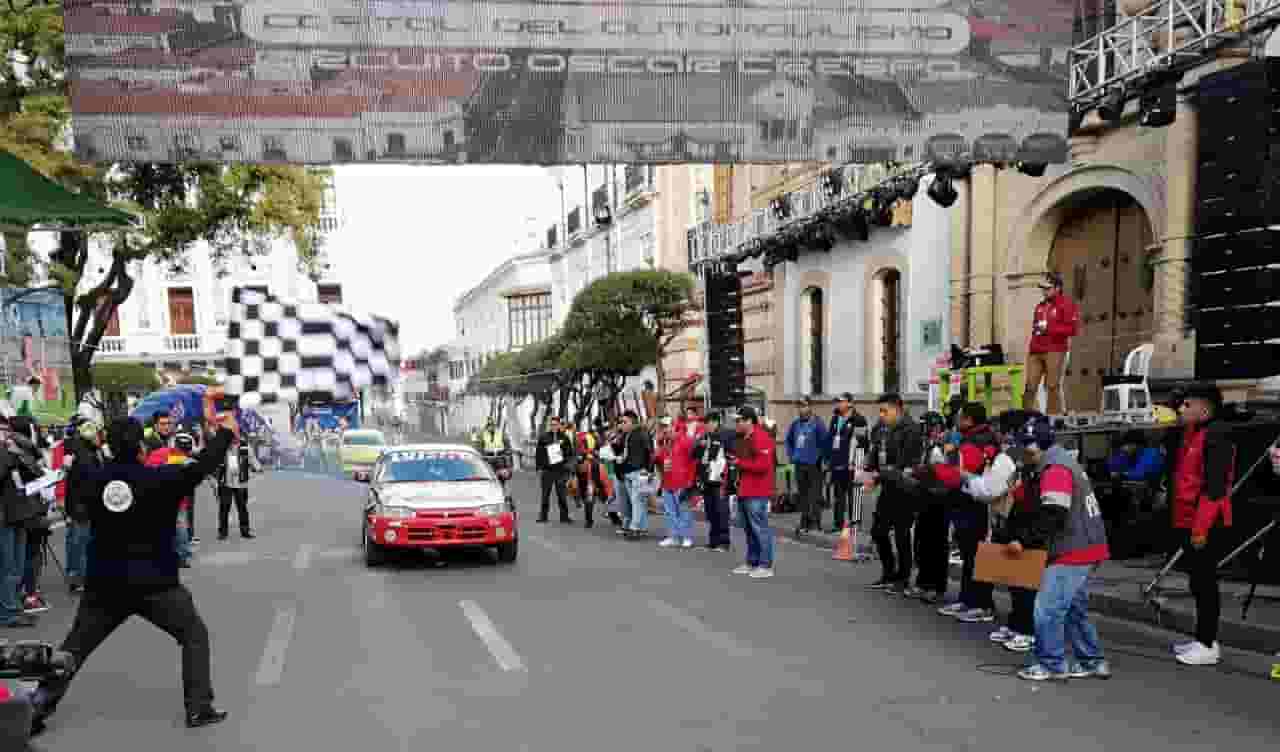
1117,593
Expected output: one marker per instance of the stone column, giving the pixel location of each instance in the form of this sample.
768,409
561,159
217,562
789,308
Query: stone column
1175,351
960,217
982,267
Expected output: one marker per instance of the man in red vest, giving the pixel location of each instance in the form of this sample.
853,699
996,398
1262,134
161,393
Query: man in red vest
1055,322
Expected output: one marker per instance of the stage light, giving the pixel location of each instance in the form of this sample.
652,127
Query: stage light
1158,106
833,183
603,216
781,207
941,190
1111,108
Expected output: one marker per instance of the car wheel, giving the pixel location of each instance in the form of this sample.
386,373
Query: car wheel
374,555
507,552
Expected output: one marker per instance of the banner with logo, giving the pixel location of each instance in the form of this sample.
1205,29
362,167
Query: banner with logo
537,81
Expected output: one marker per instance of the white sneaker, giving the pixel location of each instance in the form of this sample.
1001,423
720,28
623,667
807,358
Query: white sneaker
743,569
1182,647
1199,655
762,573
1002,635
686,543
1020,643
669,542
953,609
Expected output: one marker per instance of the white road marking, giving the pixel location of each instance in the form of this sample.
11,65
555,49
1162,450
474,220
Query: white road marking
554,548
303,559
346,552
223,558
695,626
506,656
271,668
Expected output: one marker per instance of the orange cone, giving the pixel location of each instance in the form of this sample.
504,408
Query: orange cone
844,547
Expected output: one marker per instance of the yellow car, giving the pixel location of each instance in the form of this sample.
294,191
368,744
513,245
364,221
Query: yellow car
359,451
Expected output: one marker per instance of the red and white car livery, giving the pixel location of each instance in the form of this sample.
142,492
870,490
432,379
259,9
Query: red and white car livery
433,496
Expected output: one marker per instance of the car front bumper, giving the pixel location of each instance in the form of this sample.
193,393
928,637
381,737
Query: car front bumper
456,531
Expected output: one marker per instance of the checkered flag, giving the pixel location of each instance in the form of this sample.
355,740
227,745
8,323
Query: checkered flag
277,350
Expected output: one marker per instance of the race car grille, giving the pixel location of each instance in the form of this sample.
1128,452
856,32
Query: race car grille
448,533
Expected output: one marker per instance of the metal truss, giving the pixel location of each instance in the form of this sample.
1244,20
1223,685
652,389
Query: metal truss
1133,48
708,241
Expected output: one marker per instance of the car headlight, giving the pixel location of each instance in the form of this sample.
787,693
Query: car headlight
491,510
395,513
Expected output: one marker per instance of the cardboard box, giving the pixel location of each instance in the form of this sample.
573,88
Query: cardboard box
997,566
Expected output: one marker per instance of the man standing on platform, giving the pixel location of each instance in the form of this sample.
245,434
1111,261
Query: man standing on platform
1055,322
806,445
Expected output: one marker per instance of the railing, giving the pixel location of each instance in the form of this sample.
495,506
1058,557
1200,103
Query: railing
182,343
709,241
1166,34
111,345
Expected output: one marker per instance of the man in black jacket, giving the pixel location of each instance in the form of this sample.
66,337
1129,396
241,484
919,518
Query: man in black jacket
713,460
846,423
898,450
82,449
634,449
133,567
553,459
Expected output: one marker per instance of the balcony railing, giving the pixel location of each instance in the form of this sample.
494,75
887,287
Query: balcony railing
147,345
1167,34
182,343
111,345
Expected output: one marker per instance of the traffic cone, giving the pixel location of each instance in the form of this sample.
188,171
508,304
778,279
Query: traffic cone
844,547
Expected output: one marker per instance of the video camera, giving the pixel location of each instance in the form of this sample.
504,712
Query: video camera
30,660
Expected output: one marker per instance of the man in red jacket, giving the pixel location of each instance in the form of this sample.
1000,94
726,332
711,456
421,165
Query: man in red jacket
1055,322
1203,461
754,459
675,457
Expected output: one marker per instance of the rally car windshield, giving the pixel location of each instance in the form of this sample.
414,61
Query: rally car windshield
439,467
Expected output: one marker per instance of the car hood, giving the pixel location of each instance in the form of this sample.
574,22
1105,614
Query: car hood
436,495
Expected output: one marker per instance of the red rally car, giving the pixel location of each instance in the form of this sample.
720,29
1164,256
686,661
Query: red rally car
434,496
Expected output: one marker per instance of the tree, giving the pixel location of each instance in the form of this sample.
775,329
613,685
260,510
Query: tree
231,209
626,320
117,381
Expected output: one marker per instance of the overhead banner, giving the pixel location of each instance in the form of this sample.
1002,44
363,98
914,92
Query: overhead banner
568,81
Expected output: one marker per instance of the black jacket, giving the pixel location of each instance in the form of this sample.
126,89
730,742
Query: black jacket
17,508
896,450
842,444
79,493
709,448
635,450
132,513
566,452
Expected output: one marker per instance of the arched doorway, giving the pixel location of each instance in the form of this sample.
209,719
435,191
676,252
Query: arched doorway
812,342
1101,251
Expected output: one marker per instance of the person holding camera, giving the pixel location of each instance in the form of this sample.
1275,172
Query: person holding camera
133,567
233,488
20,463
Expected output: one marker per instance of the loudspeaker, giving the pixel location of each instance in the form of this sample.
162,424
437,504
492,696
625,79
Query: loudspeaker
1236,360
1219,326
727,373
1237,250
1238,174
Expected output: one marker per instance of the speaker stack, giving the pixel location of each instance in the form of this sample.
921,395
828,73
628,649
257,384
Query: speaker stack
1236,253
726,349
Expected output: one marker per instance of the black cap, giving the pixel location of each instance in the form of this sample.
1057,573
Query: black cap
845,397
807,399
747,412
1051,280
1208,392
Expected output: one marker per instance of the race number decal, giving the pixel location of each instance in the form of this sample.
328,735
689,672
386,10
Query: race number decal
117,496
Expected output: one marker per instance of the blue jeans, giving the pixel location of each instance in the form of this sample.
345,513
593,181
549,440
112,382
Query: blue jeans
1062,616
182,538
754,516
635,482
77,549
679,518
13,562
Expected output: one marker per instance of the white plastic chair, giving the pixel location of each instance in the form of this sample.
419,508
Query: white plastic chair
1042,396
1129,391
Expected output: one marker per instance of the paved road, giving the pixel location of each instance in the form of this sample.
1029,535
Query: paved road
593,643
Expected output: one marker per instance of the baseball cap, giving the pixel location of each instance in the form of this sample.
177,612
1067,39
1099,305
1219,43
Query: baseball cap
747,412
1038,431
845,397
806,400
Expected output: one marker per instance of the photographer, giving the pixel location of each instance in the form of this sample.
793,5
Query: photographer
20,463
133,567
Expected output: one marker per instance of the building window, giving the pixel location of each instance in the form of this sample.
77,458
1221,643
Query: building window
137,143
812,341
182,311
273,148
448,139
395,144
343,151
331,294
530,318
455,370
229,143
889,300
